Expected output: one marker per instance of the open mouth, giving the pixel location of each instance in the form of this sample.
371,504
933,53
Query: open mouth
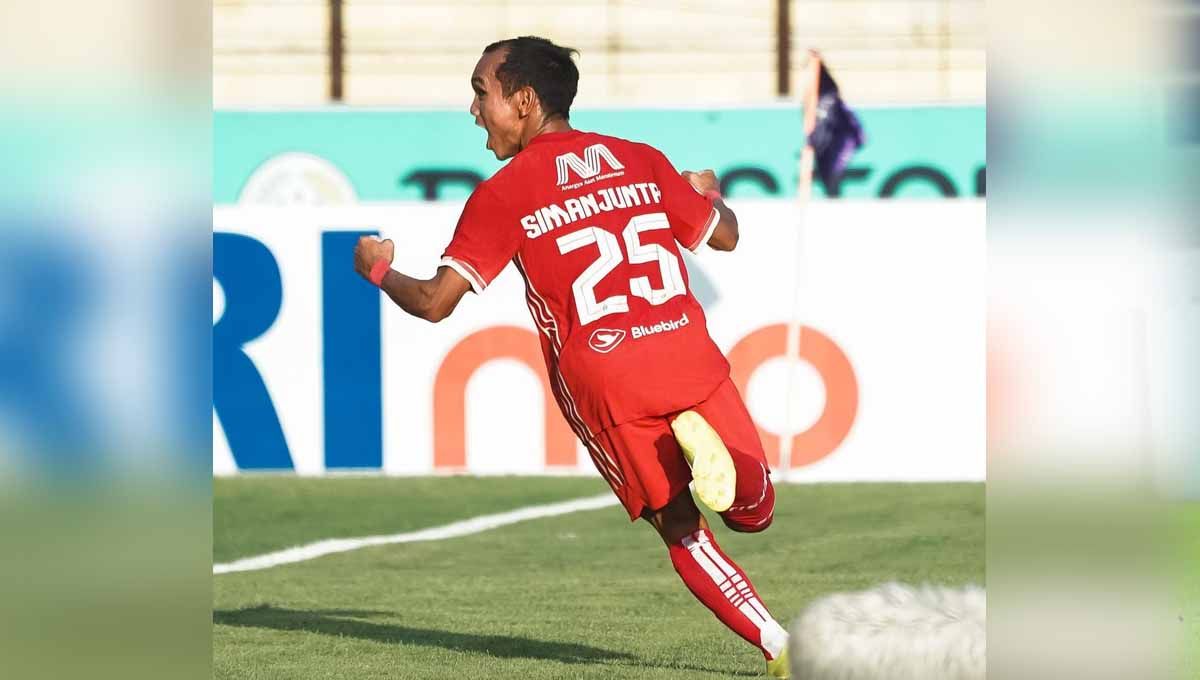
479,122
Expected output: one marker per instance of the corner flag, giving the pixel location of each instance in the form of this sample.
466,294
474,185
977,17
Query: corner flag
837,134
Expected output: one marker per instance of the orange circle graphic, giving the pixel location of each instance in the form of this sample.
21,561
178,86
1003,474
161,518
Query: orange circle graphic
841,389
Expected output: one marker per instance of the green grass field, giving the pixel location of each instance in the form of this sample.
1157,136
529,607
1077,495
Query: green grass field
1186,524
586,595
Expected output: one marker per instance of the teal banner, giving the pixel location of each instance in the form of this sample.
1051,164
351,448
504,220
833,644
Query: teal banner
396,155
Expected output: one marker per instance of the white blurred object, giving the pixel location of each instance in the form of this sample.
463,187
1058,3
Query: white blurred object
893,632
298,179
1173,370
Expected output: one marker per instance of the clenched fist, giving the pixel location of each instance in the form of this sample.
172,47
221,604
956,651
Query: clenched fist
369,251
702,181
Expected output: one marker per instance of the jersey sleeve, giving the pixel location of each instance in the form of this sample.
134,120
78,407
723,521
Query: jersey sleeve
693,217
484,241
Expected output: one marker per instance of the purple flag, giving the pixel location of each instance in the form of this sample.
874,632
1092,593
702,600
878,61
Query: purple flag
837,134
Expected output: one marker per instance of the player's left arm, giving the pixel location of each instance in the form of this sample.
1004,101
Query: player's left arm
725,235
430,299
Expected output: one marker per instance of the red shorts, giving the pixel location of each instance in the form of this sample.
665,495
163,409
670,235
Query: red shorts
653,469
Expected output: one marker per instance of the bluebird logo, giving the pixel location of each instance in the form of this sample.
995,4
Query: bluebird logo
660,327
604,340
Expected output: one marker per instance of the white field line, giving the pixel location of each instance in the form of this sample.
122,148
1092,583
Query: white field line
464,527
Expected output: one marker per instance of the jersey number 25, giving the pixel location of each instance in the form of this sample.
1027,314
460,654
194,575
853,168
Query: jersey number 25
586,304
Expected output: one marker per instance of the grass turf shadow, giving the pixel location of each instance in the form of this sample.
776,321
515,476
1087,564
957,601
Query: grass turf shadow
349,623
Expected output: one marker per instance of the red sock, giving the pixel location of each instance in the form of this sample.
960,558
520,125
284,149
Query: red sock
722,586
754,500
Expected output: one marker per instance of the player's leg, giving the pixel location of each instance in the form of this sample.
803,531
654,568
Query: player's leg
654,486
727,432
716,580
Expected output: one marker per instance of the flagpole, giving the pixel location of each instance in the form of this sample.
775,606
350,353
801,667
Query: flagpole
796,318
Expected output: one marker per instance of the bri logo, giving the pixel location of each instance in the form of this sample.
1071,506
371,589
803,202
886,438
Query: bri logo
660,327
586,167
603,340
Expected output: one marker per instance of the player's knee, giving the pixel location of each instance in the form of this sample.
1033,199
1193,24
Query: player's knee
754,517
749,526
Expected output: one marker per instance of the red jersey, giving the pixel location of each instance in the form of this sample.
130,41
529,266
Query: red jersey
594,224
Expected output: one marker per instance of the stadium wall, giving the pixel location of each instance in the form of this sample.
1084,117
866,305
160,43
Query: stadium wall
315,371
338,156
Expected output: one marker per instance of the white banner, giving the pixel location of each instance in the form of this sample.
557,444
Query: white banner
892,386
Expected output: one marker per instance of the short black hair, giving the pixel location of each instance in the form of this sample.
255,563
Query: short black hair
542,65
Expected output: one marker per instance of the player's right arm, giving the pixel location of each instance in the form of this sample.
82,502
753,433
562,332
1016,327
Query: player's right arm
485,240
430,299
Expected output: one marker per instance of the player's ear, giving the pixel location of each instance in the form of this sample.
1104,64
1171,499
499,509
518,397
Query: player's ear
526,101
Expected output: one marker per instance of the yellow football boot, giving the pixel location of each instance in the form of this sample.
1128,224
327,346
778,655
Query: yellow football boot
778,667
712,467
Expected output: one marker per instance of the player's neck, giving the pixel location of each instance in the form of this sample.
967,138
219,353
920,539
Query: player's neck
552,125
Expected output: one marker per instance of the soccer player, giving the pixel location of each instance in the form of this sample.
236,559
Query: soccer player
594,225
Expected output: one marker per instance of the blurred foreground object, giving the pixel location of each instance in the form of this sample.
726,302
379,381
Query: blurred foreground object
893,632
105,217
1084,329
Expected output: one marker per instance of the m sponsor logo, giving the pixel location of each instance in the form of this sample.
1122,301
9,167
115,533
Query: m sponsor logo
587,167
660,327
604,340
